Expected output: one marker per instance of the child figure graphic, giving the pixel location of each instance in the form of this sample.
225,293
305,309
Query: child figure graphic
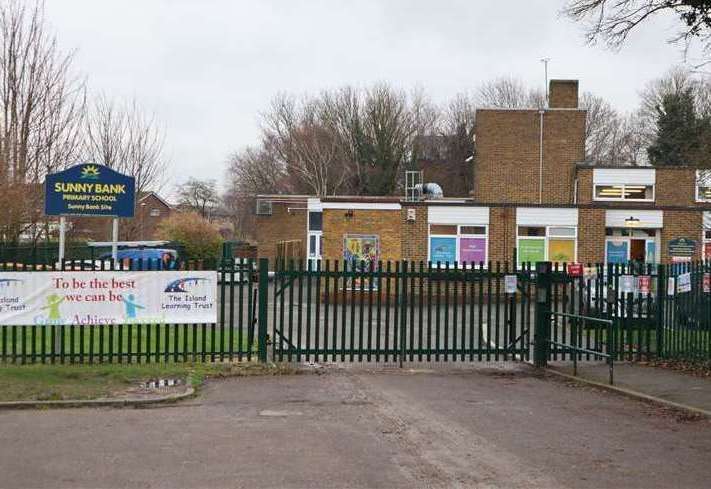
131,306
53,301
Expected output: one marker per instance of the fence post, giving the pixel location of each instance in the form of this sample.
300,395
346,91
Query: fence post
402,278
262,311
659,317
541,334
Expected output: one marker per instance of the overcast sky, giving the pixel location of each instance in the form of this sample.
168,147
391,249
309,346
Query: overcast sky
208,67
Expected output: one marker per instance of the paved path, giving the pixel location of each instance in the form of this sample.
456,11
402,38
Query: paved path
664,383
354,428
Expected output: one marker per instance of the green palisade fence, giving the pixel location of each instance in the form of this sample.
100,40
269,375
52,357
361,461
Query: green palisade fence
396,312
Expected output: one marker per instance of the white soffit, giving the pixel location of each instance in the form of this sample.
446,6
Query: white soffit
381,206
314,205
546,216
618,218
442,214
619,176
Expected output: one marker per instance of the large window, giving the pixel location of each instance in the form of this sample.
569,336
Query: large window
625,192
451,243
557,244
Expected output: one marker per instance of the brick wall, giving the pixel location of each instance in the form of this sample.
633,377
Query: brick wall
384,223
507,162
591,235
563,94
414,234
675,186
280,226
585,185
681,224
502,233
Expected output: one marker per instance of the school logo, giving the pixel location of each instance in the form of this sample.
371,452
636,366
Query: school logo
7,282
90,172
184,284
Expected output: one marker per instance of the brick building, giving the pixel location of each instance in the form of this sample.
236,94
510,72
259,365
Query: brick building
151,210
534,198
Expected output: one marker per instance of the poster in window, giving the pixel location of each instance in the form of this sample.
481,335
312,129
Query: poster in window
363,250
531,250
472,250
443,250
361,253
651,256
561,250
707,250
617,252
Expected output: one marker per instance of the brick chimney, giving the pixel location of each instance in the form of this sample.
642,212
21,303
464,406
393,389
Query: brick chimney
563,94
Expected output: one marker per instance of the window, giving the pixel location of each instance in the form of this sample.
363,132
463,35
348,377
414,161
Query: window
623,245
624,192
546,243
264,207
155,213
703,185
315,221
315,236
450,243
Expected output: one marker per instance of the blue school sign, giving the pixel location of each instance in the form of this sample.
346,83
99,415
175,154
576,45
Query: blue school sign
89,190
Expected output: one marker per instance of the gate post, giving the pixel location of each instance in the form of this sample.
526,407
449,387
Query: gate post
262,309
659,316
541,335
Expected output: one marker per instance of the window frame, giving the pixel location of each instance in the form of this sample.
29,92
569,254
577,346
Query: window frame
697,186
546,240
623,198
457,240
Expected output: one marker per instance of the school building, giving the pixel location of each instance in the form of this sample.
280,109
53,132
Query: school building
534,198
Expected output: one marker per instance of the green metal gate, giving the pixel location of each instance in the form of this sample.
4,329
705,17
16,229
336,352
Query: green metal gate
399,312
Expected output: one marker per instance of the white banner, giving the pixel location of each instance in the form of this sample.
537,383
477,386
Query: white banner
112,297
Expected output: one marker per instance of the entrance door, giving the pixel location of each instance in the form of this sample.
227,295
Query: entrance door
315,245
637,250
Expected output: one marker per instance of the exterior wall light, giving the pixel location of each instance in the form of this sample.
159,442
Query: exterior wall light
631,222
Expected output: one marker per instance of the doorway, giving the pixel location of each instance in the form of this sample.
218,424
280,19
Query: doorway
638,250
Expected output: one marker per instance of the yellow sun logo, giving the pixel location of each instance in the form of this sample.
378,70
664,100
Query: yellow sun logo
90,172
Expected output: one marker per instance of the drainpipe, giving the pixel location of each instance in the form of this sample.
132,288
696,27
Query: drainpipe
540,159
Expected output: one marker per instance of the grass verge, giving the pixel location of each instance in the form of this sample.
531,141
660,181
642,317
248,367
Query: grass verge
81,382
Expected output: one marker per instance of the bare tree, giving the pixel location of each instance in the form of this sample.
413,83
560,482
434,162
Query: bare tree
508,93
457,126
200,196
125,138
386,139
250,172
614,20
308,150
42,103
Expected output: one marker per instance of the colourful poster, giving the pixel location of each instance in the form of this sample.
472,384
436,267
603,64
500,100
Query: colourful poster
561,250
361,250
95,298
531,250
443,250
616,252
472,250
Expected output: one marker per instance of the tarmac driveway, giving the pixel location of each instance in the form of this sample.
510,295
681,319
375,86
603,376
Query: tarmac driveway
357,428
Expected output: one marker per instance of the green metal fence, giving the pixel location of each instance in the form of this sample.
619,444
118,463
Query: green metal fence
232,337
401,312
